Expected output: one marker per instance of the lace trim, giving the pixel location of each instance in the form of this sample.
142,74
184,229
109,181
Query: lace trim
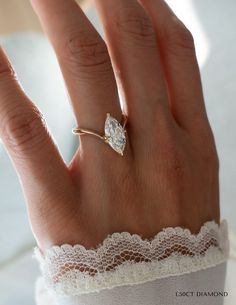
127,259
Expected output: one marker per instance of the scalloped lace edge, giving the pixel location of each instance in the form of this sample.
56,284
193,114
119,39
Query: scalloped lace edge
75,282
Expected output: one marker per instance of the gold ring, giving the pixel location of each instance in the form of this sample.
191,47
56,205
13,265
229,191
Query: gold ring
114,133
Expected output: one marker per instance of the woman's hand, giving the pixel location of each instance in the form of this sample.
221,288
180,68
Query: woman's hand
168,175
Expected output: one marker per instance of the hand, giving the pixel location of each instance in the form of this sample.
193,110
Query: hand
168,175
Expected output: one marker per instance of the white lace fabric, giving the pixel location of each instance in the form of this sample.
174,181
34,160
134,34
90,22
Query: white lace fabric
128,259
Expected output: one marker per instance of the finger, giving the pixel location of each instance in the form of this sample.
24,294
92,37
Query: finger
132,44
84,61
24,135
180,65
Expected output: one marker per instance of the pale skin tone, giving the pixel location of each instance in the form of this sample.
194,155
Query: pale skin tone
168,175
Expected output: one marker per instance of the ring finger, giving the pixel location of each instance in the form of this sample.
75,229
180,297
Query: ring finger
134,52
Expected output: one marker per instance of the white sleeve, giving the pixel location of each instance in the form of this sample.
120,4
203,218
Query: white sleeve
174,267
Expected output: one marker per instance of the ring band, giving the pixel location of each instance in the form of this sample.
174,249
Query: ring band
114,133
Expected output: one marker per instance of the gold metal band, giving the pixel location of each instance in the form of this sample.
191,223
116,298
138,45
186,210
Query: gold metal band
82,131
114,133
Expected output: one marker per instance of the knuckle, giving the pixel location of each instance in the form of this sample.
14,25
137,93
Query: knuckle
24,130
210,157
7,70
7,77
178,39
135,28
207,147
84,52
176,164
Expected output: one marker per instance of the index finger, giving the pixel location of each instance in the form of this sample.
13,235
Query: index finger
28,142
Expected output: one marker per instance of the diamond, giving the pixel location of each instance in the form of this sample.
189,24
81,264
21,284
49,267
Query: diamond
115,134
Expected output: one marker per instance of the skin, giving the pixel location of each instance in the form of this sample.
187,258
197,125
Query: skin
168,175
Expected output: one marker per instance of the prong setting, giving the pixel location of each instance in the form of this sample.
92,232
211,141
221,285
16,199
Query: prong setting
115,134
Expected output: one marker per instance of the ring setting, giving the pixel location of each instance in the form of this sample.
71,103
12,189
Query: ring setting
114,133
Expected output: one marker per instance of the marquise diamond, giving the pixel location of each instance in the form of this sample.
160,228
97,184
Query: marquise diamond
115,134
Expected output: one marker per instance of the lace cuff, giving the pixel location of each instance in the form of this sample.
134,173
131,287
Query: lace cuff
127,259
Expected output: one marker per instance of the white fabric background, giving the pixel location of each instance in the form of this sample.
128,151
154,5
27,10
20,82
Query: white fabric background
159,292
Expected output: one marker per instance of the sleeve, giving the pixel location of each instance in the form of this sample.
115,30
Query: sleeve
174,267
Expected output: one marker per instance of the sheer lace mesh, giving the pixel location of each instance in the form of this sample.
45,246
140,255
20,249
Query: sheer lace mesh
128,259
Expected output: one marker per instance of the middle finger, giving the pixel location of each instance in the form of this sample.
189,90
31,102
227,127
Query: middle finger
84,61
